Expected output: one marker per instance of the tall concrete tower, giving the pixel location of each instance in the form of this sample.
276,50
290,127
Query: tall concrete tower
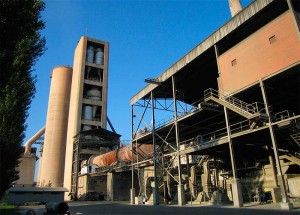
53,158
88,102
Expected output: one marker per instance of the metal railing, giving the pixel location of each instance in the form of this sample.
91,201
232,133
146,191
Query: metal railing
241,105
169,119
286,114
218,134
252,108
165,121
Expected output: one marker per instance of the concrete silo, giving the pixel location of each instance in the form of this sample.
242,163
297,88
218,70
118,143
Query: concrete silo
52,167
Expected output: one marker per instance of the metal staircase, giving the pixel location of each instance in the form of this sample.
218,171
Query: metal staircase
296,138
291,158
242,108
296,135
286,120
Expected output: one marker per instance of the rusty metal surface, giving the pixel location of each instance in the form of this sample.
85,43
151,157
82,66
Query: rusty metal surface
124,154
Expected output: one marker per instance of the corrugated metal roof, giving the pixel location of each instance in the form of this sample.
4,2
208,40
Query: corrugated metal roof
219,34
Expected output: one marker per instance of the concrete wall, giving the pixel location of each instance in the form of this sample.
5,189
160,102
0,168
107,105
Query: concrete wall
74,122
26,168
82,187
92,188
119,185
270,49
22,195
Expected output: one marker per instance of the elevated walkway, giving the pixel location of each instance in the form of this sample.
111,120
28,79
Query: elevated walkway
208,140
249,111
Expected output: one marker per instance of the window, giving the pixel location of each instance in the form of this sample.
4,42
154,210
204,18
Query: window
272,39
233,62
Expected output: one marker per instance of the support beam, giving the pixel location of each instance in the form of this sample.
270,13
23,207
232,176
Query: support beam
236,186
285,201
141,119
181,196
111,125
132,191
163,175
155,189
271,160
110,186
187,156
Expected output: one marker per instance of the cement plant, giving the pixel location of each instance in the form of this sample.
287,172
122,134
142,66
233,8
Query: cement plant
230,131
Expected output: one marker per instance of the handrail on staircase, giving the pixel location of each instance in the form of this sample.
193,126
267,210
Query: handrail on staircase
250,108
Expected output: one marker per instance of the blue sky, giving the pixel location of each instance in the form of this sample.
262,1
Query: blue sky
146,37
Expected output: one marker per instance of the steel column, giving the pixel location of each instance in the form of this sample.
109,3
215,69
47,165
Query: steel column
188,175
155,190
271,160
230,143
236,188
181,199
285,200
132,192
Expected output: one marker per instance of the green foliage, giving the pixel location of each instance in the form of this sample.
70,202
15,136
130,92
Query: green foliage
4,206
49,184
20,46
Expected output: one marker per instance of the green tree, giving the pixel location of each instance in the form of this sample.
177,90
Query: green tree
21,44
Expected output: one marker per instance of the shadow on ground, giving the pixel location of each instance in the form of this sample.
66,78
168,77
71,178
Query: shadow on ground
108,208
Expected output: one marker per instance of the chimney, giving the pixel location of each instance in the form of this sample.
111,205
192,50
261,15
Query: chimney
235,7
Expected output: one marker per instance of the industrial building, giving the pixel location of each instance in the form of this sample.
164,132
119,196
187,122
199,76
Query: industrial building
233,106
77,103
221,125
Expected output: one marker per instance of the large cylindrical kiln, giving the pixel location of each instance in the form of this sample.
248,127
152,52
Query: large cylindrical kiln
52,169
122,154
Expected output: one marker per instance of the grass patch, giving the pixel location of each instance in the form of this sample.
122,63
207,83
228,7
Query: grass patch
8,209
4,207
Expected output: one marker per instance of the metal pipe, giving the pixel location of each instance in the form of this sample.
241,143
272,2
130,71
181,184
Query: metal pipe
34,138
